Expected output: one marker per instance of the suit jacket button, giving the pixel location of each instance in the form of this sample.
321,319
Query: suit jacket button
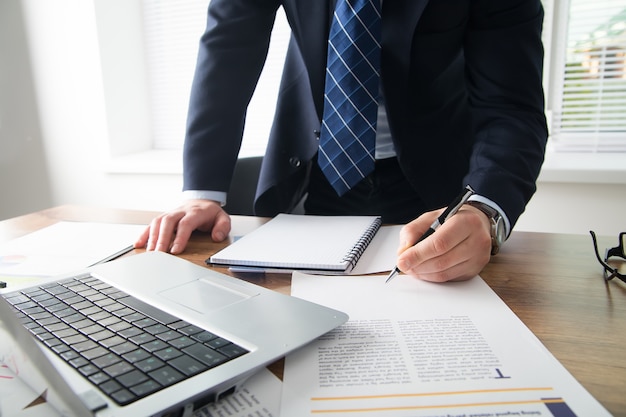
295,162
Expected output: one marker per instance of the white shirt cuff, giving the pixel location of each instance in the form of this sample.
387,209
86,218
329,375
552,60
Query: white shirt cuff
493,205
219,196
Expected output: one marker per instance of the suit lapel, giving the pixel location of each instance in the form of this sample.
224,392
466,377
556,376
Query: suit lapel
399,23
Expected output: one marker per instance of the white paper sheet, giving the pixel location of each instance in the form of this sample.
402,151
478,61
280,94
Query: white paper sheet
381,253
413,348
258,397
62,247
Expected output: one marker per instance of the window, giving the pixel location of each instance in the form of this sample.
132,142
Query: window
172,30
588,99
585,76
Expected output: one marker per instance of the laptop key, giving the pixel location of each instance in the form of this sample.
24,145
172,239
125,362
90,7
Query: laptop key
190,330
94,353
112,341
101,335
101,316
144,322
154,345
168,354
141,338
131,378
48,321
60,348
145,388
26,305
168,335
150,311
124,348
106,360
78,362
205,355
204,336
166,375
232,350
187,365
181,342
110,386
217,343
88,369
86,326
84,346
69,355
130,332
123,397
118,326
136,355
98,378
118,369
17,299
149,364
72,338
73,318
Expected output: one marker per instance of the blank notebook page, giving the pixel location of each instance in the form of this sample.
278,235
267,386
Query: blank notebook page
294,241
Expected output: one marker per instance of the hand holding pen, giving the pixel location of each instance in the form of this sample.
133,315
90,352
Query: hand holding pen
450,211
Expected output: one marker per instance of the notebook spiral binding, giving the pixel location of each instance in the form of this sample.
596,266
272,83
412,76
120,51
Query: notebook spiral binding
353,256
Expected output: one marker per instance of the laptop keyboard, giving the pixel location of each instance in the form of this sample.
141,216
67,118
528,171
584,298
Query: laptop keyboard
127,348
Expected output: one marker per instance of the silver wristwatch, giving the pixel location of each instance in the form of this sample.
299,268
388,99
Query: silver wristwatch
498,228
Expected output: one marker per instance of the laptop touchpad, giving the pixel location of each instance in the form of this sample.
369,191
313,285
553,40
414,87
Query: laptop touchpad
204,296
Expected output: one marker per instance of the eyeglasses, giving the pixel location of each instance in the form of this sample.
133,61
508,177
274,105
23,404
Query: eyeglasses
618,251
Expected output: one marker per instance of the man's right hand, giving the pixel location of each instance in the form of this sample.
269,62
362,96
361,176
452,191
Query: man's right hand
170,232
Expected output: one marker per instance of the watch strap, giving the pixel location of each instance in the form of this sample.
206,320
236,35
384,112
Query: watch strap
496,221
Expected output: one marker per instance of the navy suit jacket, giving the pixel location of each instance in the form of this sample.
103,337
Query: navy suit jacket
462,87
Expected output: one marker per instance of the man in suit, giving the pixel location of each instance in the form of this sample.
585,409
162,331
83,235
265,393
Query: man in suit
461,102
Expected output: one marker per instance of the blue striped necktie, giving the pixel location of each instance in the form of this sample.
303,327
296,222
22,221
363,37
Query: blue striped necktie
348,132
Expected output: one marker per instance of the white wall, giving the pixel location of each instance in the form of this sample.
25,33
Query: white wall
66,73
24,182
576,208
54,145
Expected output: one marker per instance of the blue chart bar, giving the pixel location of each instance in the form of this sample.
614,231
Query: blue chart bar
558,408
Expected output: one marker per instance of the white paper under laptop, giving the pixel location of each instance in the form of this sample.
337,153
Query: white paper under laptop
266,324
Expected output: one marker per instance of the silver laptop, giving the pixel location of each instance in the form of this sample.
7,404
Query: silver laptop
153,335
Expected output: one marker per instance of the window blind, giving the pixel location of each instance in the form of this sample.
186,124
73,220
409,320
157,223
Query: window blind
590,111
589,102
172,30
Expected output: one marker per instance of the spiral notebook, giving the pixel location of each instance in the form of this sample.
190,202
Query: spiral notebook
324,244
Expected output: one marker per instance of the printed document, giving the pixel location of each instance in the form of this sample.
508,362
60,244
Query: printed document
258,397
413,348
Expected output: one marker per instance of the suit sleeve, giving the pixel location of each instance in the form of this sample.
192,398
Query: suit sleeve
504,66
231,55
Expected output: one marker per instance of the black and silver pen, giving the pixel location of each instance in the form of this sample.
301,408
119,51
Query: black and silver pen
447,213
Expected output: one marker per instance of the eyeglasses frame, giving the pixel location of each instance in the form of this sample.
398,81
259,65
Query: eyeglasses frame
618,251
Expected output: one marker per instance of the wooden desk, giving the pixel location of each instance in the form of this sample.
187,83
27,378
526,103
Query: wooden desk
551,281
